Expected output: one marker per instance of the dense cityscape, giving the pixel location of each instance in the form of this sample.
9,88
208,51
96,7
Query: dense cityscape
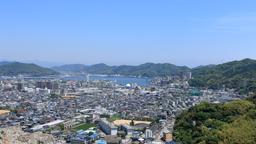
127,72
53,110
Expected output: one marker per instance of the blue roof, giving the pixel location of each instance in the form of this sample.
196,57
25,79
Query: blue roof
94,136
80,136
78,139
171,142
101,142
81,132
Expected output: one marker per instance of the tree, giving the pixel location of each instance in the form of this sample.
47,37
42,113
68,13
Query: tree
132,123
229,123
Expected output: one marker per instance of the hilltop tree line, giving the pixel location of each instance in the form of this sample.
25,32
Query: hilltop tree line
229,123
238,75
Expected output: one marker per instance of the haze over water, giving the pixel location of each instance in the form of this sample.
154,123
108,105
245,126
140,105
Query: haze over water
122,80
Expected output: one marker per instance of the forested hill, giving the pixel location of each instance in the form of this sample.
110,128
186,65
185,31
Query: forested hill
230,123
144,70
240,75
16,68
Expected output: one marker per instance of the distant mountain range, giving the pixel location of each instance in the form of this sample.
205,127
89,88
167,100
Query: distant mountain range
4,62
240,75
144,70
16,68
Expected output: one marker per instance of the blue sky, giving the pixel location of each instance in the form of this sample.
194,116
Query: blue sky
182,32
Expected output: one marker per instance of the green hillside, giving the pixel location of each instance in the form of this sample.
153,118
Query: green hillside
230,123
240,75
144,70
16,68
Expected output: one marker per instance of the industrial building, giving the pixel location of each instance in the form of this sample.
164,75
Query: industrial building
107,127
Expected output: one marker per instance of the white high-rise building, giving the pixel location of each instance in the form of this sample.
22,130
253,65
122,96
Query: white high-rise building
190,75
148,133
88,78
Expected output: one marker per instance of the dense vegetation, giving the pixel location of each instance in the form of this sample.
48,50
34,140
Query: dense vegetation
144,70
230,123
240,75
16,68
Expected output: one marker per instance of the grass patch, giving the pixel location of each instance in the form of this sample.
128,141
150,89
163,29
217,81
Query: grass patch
85,126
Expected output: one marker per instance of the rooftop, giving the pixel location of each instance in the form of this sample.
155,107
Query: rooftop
127,122
2,112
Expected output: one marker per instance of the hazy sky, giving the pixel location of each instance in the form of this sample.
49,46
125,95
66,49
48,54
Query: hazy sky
183,32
